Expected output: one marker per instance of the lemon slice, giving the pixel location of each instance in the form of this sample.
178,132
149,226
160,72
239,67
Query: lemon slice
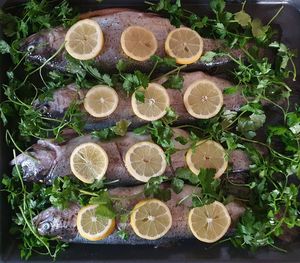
207,154
203,99
84,40
185,45
144,160
89,162
155,104
101,101
138,43
209,223
93,227
151,219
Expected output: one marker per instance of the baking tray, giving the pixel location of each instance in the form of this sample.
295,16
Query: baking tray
190,251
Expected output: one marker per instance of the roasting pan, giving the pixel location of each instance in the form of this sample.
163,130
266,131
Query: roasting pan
190,251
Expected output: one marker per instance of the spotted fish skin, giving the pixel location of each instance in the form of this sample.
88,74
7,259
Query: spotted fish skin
62,99
65,225
113,22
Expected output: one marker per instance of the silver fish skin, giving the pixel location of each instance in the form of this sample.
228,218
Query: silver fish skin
47,160
64,227
113,22
62,99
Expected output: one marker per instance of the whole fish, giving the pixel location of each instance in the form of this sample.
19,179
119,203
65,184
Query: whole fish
62,99
43,45
62,223
47,159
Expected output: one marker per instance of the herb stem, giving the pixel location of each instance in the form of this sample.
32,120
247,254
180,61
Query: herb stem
274,17
170,72
34,232
190,126
154,67
269,147
88,193
29,224
13,141
44,64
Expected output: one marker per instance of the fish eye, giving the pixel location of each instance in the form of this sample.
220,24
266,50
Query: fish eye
30,48
44,108
45,227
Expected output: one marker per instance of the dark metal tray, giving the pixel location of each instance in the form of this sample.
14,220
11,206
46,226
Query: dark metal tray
191,251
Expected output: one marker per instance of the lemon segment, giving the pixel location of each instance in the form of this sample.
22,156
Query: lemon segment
93,227
101,101
151,219
209,223
145,160
185,45
138,43
156,102
89,162
203,99
207,154
84,40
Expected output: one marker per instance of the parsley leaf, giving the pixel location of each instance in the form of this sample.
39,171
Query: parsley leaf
174,82
208,56
134,81
242,18
153,188
177,185
188,175
4,47
120,129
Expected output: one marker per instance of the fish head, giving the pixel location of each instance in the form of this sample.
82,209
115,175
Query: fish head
60,101
46,222
40,46
55,222
37,163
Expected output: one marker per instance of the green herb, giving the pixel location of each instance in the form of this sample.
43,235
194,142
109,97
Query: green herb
120,129
94,72
122,234
174,82
248,125
165,61
4,47
187,175
26,202
154,188
257,79
134,81
208,56
35,17
177,185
